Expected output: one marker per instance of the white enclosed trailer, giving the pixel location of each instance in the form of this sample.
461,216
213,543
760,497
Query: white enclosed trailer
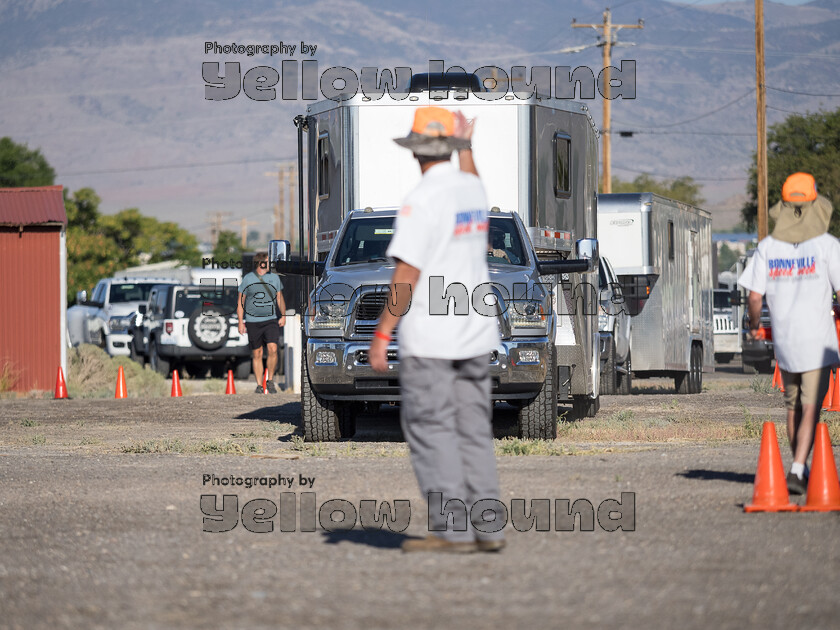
662,253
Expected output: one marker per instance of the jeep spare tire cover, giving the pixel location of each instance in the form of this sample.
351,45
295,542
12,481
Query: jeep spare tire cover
208,328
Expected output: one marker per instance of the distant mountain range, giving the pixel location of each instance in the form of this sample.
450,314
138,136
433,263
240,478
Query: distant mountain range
112,91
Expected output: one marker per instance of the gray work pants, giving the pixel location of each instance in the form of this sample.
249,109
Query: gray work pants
446,415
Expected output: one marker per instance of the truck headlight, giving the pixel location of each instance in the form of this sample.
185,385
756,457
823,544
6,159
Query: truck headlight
329,315
119,324
527,314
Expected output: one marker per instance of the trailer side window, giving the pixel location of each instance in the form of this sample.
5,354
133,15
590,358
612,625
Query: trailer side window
562,160
323,166
670,240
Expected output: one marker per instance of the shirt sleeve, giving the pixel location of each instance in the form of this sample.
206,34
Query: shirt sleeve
279,284
834,263
242,284
754,277
413,235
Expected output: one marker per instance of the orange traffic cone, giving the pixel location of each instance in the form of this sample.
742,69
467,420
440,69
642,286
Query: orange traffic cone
176,384
770,494
823,486
265,381
121,390
777,379
231,388
834,388
60,385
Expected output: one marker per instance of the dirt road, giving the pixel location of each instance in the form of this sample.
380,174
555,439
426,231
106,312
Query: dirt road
101,522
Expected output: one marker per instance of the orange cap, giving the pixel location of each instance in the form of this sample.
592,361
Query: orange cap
434,121
799,188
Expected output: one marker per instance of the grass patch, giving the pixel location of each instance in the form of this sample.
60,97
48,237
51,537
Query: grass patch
626,426
315,449
155,446
761,385
28,422
518,447
90,441
38,439
226,447
214,386
9,376
93,374
252,434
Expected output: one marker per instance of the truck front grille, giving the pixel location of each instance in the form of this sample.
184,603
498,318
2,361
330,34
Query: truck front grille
371,305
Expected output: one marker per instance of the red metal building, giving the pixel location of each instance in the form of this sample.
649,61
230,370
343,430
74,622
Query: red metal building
33,286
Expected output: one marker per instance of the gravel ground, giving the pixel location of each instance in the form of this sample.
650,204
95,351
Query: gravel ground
97,532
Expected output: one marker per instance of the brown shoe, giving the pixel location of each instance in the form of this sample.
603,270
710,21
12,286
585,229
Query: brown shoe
440,545
491,545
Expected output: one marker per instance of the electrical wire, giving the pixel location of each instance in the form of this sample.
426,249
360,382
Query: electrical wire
136,169
697,179
776,89
689,120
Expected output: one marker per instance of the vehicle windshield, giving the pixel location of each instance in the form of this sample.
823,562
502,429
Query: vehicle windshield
366,240
190,299
130,292
723,299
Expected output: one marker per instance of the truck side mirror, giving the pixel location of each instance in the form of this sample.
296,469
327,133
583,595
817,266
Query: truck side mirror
141,308
81,297
278,251
587,249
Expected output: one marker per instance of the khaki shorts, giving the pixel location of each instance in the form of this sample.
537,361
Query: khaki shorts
805,388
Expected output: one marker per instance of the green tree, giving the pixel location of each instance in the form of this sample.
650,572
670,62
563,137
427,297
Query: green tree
228,246
808,143
160,241
22,166
726,257
682,188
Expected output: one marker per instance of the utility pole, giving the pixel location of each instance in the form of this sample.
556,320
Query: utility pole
761,121
607,42
216,219
284,214
243,235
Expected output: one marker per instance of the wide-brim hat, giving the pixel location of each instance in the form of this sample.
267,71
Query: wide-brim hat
798,222
432,133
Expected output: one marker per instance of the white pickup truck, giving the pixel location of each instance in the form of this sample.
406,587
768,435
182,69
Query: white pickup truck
103,317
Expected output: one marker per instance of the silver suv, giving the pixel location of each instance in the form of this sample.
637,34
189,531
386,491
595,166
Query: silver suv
194,326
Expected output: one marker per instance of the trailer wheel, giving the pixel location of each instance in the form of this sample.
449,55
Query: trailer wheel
323,420
608,374
625,381
696,382
242,370
537,418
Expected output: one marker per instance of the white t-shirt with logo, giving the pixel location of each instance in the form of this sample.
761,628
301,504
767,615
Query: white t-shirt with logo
797,280
442,230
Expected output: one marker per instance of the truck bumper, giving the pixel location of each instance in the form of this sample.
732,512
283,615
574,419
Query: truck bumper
340,370
197,354
117,344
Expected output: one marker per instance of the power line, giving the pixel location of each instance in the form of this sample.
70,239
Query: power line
698,179
701,116
787,111
736,51
683,133
166,167
770,87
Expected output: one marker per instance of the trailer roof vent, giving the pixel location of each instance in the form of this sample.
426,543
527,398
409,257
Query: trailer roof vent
495,209
368,209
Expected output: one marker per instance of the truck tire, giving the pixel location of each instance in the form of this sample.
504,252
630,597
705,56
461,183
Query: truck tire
208,328
764,367
158,363
323,420
133,354
242,370
608,373
749,368
625,381
537,419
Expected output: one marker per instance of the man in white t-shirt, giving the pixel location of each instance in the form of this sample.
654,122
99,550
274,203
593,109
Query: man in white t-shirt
440,244
797,268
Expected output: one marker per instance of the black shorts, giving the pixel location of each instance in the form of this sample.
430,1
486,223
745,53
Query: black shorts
262,332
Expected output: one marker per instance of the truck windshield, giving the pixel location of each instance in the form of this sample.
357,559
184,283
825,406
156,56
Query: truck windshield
366,240
130,292
188,300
